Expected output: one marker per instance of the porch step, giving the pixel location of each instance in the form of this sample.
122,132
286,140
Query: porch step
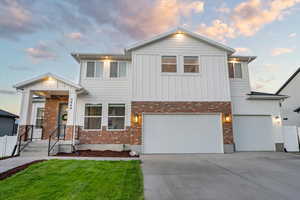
36,149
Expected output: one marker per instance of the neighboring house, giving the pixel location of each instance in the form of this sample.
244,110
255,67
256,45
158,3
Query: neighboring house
8,124
178,92
290,108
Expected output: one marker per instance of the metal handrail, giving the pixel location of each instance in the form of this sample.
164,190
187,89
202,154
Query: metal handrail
50,147
20,146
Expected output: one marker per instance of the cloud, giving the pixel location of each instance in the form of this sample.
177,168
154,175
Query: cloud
138,19
218,30
280,51
8,92
248,17
291,35
41,52
75,36
242,50
223,9
15,19
19,68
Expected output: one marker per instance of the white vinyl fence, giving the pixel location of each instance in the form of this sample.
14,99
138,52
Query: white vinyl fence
7,145
291,138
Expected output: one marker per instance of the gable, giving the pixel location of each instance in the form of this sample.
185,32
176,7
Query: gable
290,82
49,84
180,43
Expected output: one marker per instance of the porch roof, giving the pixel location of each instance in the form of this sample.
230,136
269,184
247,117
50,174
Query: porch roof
49,77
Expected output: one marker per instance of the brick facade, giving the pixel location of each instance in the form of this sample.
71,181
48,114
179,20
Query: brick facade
105,136
51,114
133,134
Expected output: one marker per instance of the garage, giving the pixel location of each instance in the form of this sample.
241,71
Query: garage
253,133
182,133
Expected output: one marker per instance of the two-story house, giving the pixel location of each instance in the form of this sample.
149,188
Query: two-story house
178,92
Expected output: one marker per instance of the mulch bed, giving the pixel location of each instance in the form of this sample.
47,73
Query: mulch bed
11,172
95,153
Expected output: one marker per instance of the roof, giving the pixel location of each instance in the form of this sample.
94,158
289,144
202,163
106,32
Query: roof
99,56
288,81
4,113
241,58
265,96
180,30
22,84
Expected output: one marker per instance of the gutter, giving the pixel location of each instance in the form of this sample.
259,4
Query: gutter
267,97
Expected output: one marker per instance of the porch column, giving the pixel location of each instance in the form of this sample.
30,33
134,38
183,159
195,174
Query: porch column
26,107
71,122
25,112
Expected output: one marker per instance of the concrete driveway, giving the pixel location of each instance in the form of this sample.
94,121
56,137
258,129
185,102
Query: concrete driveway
235,176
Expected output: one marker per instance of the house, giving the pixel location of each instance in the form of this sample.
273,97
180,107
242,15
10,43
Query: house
290,108
8,124
178,92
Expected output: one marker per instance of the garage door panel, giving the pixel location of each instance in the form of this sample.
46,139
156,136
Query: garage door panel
253,133
182,134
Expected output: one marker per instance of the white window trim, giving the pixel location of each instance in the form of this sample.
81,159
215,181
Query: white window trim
36,117
93,116
199,65
177,64
234,78
93,78
118,78
108,129
180,66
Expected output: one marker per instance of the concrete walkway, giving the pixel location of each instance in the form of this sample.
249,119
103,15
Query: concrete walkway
237,176
11,163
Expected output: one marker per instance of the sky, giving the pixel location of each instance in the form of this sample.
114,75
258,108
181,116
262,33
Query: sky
38,36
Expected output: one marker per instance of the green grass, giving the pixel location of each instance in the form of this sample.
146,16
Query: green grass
75,179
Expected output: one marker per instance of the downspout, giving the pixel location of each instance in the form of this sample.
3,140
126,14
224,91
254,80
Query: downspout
74,119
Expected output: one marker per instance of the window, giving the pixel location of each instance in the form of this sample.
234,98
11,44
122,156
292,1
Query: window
94,69
117,69
168,64
191,64
92,116
116,116
235,70
39,118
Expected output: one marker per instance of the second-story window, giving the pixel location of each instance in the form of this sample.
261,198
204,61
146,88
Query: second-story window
191,64
94,69
235,70
168,64
118,69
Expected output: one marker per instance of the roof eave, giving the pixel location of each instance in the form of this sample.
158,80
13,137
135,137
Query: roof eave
267,97
173,31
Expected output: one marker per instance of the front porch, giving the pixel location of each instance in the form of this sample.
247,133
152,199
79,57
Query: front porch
57,120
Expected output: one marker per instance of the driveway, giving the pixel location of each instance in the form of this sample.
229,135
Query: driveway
235,176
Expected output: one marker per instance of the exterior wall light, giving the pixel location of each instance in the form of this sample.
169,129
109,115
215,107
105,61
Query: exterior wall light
227,118
50,78
136,118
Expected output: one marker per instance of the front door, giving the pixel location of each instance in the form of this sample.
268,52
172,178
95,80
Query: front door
62,119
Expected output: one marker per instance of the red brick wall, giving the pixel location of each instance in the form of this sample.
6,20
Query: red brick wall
183,107
51,114
133,134
105,137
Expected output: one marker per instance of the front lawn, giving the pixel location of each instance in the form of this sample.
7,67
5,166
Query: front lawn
75,179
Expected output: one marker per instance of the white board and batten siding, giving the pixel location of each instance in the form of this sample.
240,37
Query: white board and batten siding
149,84
104,90
239,87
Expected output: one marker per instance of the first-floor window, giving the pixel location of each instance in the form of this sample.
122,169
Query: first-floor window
39,118
235,70
92,116
116,116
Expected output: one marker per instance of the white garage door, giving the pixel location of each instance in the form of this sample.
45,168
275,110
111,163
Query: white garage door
253,133
182,134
